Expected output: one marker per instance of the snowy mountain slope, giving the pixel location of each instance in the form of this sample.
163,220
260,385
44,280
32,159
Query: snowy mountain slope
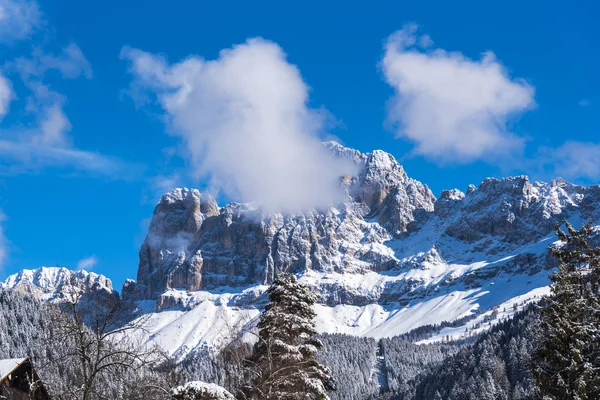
389,222
389,259
53,283
213,318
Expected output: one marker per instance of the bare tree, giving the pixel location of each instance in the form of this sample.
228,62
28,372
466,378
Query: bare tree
237,351
99,345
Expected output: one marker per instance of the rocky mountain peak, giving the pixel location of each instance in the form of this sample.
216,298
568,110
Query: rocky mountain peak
392,198
345,152
182,210
193,244
54,283
177,220
452,194
471,188
387,219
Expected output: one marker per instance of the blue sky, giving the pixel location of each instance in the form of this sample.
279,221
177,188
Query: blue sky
92,132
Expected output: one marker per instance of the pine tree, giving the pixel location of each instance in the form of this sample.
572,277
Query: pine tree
283,365
566,362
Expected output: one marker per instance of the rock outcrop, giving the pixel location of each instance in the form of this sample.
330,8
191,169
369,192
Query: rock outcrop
389,222
193,244
389,258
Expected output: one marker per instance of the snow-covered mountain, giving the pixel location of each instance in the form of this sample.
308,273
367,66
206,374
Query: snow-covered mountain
389,259
54,283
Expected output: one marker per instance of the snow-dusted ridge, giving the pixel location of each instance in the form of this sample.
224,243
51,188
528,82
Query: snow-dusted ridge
215,318
53,283
391,258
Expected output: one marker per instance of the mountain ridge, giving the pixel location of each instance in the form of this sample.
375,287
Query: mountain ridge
390,258
52,284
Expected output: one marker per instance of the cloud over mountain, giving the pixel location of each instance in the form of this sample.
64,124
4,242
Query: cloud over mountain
87,263
246,122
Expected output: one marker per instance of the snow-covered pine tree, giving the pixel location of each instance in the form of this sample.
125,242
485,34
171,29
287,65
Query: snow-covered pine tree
566,361
283,364
198,390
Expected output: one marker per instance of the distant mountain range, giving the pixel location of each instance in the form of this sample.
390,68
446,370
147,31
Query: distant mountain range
387,260
52,284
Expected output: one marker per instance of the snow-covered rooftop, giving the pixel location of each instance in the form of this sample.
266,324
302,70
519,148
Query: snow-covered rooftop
9,365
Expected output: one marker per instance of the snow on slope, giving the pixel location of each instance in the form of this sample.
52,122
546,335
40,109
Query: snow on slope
485,321
201,390
201,318
213,318
52,283
388,259
180,332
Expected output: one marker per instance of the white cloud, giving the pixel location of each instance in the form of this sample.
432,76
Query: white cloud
54,126
455,109
70,62
25,157
18,19
87,263
46,142
246,123
572,160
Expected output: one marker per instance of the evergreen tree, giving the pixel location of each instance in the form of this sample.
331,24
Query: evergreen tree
566,362
283,365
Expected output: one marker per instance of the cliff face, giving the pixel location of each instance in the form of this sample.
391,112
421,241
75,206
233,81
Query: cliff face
389,222
194,244
389,258
167,256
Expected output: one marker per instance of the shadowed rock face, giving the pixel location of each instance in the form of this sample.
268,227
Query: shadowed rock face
166,257
194,244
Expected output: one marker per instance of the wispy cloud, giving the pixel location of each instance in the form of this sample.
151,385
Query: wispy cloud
583,103
87,263
19,158
46,142
18,19
573,161
47,105
454,109
245,121
160,184
6,95
70,62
